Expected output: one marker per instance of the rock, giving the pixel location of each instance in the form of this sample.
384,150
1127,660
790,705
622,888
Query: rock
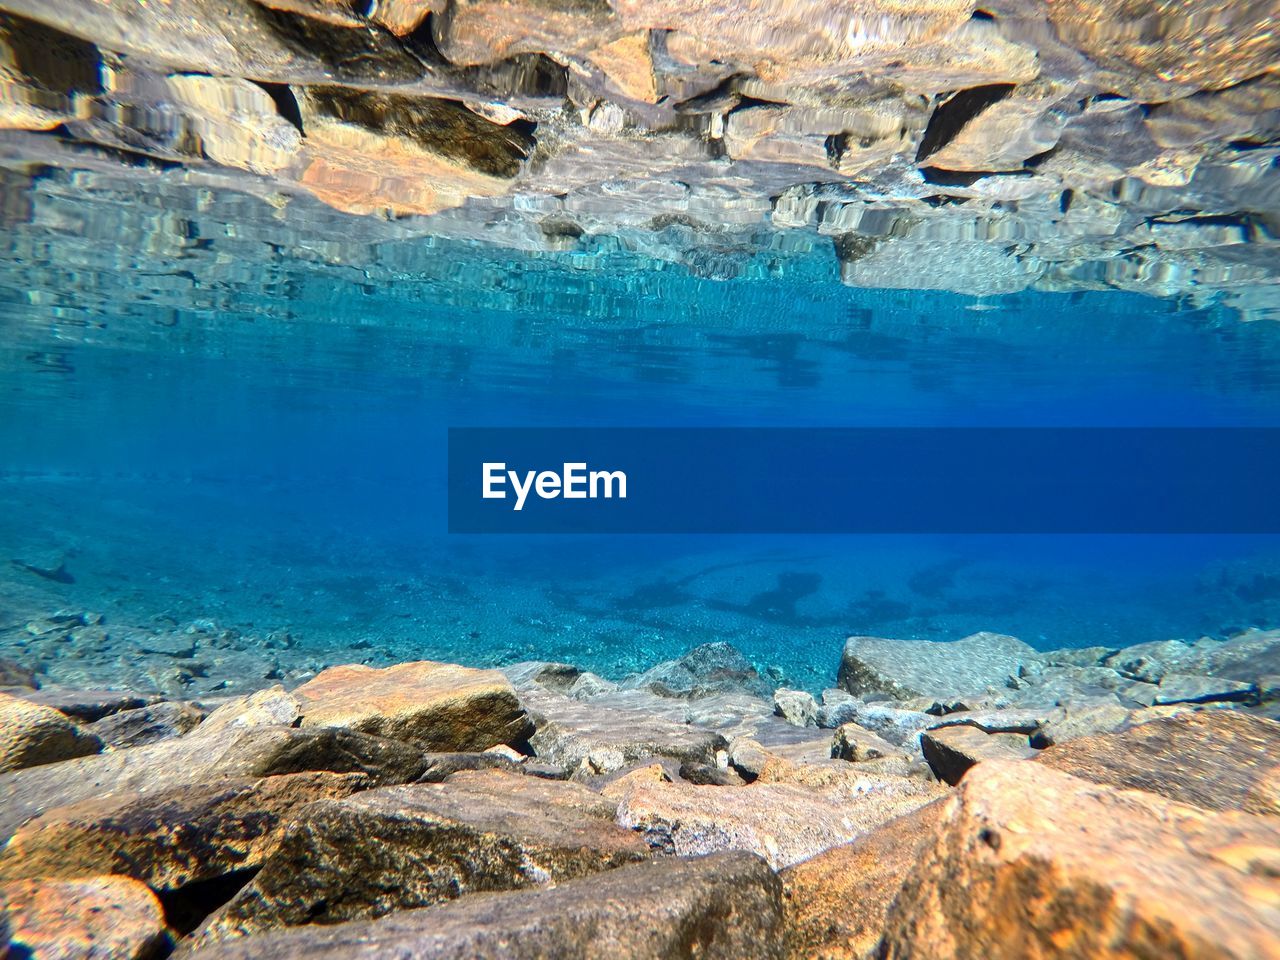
590,739
1184,688
435,706
252,753
169,838
835,903
94,918
1148,662
441,766
904,669
856,744
837,708
1084,722
269,707
722,907
87,705
952,751
710,668
796,707
1245,657
898,726
31,735
817,807
400,847
1077,656
15,675
618,786
1011,720
143,725
1100,873
1211,759
1264,795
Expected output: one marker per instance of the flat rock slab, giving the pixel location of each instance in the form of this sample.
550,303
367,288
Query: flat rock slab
435,706
784,822
169,838
1031,862
1186,688
590,740
1209,758
952,751
32,734
193,759
402,847
96,918
722,907
88,705
142,725
835,903
905,669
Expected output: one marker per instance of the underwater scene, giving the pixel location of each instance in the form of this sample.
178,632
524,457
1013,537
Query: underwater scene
261,693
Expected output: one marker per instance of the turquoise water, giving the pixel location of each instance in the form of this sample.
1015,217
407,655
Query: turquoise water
260,443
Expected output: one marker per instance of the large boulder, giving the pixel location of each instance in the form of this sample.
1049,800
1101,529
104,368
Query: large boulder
251,753
32,734
1209,758
169,838
95,918
835,903
1031,862
401,847
722,907
435,706
905,669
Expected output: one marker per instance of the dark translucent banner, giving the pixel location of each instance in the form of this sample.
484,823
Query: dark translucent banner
864,480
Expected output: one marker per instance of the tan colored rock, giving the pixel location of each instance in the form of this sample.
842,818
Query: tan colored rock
44,75
367,152
250,753
1030,862
925,668
628,62
91,919
401,847
483,31
1004,135
169,838
236,123
952,751
435,706
31,735
263,708
618,787
1210,758
835,903
855,743
1264,795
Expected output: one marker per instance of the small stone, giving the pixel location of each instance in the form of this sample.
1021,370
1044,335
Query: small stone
857,744
796,707
837,708
31,735
94,918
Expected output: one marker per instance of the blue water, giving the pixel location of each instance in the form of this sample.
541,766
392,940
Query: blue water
278,462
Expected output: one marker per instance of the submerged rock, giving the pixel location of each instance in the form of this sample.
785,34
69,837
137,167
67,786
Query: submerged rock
31,735
952,751
435,706
835,903
721,907
1211,759
903,669
143,725
169,838
1028,861
94,918
796,707
708,669
400,847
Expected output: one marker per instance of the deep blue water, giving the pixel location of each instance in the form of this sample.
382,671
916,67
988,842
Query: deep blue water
283,465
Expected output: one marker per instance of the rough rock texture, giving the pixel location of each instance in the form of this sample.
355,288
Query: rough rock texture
143,725
435,706
401,847
1211,758
835,903
721,907
1066,146
590,739
31,735
784,820
1030,862
169,838
704,670
252,753
97,918
904,669
952,751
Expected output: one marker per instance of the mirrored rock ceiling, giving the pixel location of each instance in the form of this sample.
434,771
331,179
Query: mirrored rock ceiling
933,144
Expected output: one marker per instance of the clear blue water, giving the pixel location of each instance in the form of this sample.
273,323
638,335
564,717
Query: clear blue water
277,461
